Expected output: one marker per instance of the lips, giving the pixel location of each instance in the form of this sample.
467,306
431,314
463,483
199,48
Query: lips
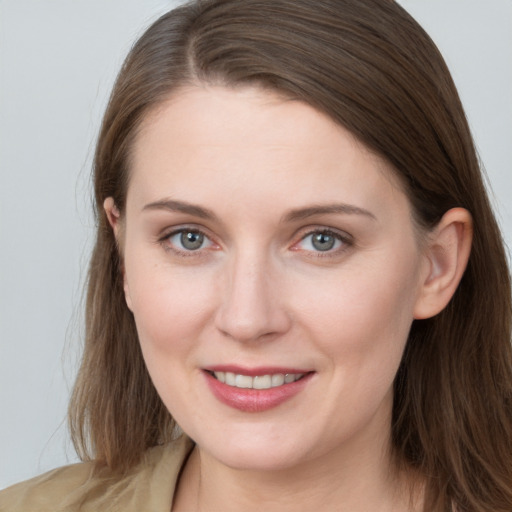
255,390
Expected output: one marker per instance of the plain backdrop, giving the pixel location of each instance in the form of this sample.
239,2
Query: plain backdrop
58,60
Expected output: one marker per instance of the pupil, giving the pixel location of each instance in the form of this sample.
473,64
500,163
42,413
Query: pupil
191,240
323,242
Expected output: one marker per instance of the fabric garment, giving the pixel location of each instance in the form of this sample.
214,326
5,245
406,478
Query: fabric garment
148,487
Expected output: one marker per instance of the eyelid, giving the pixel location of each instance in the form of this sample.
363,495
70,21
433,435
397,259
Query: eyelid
346,240
164,240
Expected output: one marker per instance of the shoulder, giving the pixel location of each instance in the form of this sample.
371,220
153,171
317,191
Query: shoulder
79,488
46,491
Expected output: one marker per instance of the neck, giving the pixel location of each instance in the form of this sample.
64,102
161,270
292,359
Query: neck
354,479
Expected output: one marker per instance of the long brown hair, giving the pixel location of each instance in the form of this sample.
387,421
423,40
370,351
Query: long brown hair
369,66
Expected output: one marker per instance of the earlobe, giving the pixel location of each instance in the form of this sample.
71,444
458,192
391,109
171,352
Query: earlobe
113,214
447,255
114,219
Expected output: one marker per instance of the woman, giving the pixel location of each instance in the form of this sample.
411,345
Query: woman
296,262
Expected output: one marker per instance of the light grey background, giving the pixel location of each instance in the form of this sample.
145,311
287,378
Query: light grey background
58,60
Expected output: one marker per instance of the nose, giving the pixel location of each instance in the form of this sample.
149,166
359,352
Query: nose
252,301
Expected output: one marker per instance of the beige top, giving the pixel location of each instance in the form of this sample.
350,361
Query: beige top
149,487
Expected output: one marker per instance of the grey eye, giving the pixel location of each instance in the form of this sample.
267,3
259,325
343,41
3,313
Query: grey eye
191,240
323,241
187,240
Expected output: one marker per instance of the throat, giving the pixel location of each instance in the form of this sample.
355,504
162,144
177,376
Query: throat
203,487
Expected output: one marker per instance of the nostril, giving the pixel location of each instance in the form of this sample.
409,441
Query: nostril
250,309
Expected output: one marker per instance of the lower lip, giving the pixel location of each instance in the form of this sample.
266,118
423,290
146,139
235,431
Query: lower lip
255,400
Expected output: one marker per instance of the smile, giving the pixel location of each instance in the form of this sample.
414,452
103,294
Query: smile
263,389
257,381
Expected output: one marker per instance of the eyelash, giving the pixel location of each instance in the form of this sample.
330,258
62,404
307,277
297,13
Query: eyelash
344,242
165,241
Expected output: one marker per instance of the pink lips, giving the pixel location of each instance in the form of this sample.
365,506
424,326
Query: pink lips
255,400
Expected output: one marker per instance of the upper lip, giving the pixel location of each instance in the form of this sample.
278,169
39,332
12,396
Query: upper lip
255,371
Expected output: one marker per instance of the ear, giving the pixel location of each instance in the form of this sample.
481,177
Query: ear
114,219
447,253
113,215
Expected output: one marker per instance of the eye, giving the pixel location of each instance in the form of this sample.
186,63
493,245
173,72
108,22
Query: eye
322,241
187,240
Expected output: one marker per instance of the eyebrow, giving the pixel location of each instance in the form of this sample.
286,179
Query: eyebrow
294,215
182,207
310,211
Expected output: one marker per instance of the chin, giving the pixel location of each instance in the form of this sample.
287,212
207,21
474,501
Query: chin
253,451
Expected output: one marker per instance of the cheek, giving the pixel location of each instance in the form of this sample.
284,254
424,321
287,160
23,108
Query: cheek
172,309
170,305
363,316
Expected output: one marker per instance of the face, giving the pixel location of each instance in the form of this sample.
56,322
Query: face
273,270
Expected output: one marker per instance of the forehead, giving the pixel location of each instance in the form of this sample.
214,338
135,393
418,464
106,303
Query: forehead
246,141
220,116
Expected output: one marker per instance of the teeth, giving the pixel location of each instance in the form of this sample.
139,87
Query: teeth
258,382
243,381
230,378
263,382
277,380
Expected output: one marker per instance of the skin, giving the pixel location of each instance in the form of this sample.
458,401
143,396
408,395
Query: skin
258,292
